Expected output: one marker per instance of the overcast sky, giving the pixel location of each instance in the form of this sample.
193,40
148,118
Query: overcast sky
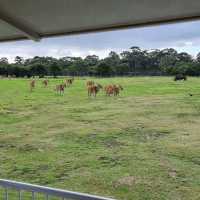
181,36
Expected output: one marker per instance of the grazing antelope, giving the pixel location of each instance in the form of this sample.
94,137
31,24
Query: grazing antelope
60,88
109,90
65,85
69,81
113,90
45,82
32,85
94,89
89,83
117,89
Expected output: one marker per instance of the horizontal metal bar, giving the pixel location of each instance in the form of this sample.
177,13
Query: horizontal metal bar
49,191
12,21
110,27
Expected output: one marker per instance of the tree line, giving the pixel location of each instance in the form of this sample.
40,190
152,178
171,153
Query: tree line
132,62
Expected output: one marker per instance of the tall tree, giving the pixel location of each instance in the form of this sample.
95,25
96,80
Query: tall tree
19,60
91,60
55,69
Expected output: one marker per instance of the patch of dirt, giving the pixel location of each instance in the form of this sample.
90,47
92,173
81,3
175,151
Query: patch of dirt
28,147
196,161
126,181
93,136
5,145
172,173
110,161
146,135
149,135
43,167
113,143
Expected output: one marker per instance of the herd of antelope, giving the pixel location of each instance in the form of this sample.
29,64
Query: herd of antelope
60,88
92,88
110,90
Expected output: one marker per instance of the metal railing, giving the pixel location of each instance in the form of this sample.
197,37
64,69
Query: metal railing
46,191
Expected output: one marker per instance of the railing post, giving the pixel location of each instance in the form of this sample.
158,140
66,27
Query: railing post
20,195
33,195
6,193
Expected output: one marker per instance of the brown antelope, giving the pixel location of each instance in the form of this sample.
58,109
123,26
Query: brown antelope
32,85
113,90
89,83
69,81
60,88
109,90
94,89
45,82
117,89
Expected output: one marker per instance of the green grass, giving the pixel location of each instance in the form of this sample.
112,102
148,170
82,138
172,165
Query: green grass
144,144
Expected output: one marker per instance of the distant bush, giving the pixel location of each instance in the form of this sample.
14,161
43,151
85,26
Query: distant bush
133,62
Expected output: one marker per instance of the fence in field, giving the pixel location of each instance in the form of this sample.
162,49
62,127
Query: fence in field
47,192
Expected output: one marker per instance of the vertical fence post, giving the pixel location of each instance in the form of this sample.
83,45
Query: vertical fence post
6,193
20,195
33,195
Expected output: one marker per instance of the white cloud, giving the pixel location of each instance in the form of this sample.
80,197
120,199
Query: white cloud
28,51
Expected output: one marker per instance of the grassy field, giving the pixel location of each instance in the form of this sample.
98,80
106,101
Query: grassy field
144,144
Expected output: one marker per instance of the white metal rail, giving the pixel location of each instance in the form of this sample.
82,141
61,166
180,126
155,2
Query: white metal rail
47,191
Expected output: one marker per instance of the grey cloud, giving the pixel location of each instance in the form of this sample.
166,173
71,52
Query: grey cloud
182,36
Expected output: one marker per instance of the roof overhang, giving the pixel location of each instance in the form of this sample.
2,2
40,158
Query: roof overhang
36,19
